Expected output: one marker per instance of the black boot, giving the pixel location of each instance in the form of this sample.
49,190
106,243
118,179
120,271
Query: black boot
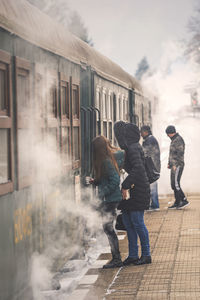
130,261
114,263
143,260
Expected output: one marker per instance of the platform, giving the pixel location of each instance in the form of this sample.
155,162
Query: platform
174,272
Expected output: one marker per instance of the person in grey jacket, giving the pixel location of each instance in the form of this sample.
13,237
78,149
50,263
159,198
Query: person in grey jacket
151,148
176,164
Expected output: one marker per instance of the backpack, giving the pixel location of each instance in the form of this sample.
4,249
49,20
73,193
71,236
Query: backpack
151,170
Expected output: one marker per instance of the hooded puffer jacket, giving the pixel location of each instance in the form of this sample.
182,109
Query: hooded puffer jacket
128,137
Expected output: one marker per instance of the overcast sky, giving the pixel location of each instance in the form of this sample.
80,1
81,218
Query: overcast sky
127,30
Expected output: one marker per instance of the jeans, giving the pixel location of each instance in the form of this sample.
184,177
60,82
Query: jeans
154,195
134,223
175,184
108,211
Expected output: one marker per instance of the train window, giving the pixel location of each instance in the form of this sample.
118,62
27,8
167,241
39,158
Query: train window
105,129
125,109
110,107
4,156
104,106
52,95
65,101
4,89
98,99
122,108
40,95
110,131
6,149
76,143
75,125
64,97
24,113
23,91
75,102
117,109
65,122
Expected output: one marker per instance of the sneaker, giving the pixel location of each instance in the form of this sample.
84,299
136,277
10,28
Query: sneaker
143,260
174,206
114,263
129,261
183,204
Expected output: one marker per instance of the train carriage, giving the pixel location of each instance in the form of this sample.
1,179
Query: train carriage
56,94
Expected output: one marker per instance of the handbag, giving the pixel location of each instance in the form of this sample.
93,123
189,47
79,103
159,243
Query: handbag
151,171
119,223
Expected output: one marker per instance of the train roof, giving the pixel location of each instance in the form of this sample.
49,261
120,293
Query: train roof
21,18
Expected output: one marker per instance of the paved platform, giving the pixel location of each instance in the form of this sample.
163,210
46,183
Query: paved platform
174,272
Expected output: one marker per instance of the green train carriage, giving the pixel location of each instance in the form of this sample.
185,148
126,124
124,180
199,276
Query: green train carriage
58,93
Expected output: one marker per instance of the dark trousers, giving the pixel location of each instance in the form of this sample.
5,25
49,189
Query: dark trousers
108,211
175,184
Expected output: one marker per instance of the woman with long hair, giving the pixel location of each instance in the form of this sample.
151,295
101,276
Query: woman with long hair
107,162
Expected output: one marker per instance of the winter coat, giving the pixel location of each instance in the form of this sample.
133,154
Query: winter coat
151,148
176,151
109,184
128,137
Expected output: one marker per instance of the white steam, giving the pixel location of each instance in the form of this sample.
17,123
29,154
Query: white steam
62,223
173,107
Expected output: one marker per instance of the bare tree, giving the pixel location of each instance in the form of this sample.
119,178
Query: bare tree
193,46
60,11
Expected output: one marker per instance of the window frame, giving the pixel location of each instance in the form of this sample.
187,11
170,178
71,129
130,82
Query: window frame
6,123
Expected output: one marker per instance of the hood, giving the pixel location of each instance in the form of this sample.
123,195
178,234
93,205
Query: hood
132,133
120,133
126,134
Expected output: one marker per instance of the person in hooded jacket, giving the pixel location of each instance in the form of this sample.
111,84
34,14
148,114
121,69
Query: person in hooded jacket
137,182
107,162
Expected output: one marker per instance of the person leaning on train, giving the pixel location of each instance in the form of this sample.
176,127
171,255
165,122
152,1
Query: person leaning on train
107,162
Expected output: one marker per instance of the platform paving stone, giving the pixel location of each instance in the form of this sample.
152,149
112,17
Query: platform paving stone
175,271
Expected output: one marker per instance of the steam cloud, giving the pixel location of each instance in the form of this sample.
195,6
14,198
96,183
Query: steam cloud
173,107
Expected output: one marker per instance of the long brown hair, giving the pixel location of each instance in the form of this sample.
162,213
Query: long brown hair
102,149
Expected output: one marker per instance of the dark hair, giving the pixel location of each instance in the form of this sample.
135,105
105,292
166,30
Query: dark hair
170,129
102,149
146,128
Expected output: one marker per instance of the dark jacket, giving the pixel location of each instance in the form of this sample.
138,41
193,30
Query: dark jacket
128,136
109,185
176,151
151,148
